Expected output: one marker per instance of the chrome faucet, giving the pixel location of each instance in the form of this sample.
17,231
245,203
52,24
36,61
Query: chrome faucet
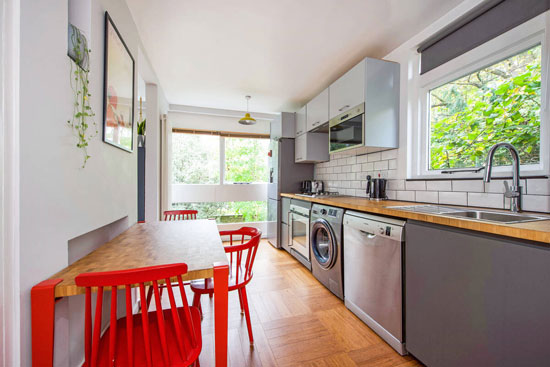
513,192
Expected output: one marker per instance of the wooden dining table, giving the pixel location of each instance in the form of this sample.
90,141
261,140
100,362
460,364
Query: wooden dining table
196,243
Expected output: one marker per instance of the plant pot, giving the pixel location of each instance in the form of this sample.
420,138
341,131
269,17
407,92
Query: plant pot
141,141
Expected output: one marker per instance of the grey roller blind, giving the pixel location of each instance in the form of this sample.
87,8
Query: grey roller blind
487,21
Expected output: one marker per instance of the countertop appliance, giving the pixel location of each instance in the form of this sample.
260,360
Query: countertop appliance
312,187
326,247
284,174
376,188
298,232
346,131
373,274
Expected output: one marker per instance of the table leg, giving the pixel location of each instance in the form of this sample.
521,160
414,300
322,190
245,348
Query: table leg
43,322
221,274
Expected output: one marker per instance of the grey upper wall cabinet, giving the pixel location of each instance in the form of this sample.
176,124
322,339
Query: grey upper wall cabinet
301,121
317,111
348,91
376,84
311,148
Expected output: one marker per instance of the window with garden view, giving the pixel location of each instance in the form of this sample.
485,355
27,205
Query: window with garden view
199,159
501,102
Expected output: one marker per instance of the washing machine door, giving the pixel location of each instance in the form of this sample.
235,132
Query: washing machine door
323,244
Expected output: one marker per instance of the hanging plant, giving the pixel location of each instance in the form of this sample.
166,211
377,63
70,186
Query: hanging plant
79,53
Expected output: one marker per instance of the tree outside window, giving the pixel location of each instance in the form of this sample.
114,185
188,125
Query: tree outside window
501,102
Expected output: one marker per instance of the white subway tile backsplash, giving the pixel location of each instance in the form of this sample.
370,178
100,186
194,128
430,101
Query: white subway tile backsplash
381,165
537,186
497,186
468,185
405,195
373,157
396,184
389,154
365,167
486,200
453,198
346,173
427,197
536,203
362,158
415,185
439,186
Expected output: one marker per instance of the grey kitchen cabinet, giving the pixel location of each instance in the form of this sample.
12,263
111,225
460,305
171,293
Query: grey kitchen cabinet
283,126
347,91
311,148
285,209
474,299
317,111
374,84
301,121
284,237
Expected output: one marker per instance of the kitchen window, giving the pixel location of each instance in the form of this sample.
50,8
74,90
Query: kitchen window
202,158
222,175
491,94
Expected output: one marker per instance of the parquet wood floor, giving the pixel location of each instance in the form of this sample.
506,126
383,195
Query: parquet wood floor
296,322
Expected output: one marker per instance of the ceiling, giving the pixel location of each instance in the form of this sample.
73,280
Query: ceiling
282,52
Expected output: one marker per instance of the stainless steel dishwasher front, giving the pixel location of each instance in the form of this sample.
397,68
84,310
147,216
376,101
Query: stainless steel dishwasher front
373,274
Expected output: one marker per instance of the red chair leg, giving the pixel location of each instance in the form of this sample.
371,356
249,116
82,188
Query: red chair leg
247,314
241,301
197,302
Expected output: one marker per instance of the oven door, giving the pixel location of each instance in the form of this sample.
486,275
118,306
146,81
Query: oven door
346,131
299,233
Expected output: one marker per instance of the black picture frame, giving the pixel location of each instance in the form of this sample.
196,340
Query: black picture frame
113,134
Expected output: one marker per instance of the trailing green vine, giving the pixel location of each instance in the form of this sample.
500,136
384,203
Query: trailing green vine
82,111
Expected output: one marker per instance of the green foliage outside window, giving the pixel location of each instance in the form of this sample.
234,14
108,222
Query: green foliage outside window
195,159
246,160
498,103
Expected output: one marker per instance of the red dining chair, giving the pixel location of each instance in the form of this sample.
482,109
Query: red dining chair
180,214
241,260
170,337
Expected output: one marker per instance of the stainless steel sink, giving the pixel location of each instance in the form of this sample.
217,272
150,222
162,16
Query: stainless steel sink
489,216
480,215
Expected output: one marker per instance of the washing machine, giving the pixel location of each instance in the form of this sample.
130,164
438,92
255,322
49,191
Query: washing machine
327,263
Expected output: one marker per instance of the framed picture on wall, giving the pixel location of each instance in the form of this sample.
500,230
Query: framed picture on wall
118,97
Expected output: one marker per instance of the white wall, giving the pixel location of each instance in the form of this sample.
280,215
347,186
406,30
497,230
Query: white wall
60,200
204,121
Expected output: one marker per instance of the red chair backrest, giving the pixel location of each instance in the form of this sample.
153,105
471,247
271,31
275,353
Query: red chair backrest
125,278
180,214
242,254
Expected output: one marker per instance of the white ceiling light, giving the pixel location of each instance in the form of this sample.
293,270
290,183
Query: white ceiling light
247,119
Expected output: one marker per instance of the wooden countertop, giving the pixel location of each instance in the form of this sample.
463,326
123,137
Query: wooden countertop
538,231
196,243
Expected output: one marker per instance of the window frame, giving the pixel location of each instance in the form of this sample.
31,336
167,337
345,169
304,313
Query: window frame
521,38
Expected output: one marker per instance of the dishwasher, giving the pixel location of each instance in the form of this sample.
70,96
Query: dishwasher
373,274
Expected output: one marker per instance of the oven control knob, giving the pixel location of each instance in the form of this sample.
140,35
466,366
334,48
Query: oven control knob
324,211
381,230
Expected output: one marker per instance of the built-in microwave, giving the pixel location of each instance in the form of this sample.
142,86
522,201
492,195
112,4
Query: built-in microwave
347,130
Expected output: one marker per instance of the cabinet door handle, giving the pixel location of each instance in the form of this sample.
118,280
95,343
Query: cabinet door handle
299,158
315,123
343,108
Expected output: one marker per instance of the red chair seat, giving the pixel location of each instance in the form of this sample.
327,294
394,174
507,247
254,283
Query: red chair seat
139,348
206,286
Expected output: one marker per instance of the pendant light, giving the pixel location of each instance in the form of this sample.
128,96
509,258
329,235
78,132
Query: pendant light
247,119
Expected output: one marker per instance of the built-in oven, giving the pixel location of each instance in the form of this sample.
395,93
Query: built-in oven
346,131
298,233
